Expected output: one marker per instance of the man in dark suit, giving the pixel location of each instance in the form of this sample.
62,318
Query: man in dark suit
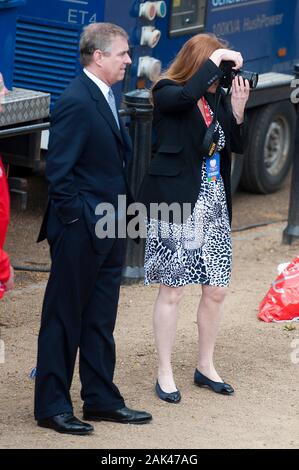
88,158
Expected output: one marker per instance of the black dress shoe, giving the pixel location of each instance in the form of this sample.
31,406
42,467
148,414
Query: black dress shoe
172,397
123,415
66,423
218,387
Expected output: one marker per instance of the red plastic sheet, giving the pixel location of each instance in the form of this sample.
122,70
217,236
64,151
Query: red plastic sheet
281,303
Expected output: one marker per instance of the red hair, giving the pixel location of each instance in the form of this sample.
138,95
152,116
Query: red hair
194,53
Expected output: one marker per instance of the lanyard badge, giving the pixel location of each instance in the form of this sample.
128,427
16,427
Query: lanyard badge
213,167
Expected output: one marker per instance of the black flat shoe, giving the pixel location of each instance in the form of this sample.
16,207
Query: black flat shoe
66,423
123,415
173,397
217,387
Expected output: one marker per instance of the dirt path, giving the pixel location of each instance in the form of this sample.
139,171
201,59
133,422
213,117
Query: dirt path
255,357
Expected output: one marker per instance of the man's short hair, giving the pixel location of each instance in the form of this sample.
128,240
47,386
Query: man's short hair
98,36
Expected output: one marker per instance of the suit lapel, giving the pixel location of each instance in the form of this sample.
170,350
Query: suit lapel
102,105
104,109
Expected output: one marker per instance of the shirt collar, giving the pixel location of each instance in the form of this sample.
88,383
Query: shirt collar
102,85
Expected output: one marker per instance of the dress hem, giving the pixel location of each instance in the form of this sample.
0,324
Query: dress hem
182,284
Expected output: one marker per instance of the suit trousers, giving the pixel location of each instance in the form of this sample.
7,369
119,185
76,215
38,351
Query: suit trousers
79,312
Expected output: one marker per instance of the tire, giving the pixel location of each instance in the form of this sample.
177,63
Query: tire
236,171
270,147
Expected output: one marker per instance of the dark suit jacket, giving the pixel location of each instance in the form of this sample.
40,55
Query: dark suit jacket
174,174
88,159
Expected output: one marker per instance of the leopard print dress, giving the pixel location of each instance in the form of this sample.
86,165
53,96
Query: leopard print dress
198,251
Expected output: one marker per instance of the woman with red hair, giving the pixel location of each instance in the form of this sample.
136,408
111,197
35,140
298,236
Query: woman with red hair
195,132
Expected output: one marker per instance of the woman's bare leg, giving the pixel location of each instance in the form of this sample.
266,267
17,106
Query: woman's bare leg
208,320
165,324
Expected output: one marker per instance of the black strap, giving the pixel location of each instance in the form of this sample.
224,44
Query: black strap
210,141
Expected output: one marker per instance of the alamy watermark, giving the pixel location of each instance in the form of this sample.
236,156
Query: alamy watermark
2,351
294,355
122,220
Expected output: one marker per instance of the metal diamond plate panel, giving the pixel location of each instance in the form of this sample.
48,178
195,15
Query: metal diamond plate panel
21,105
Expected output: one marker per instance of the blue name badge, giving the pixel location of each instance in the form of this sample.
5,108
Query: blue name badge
213,167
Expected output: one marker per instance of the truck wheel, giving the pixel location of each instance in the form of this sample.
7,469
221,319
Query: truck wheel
236,171
270,146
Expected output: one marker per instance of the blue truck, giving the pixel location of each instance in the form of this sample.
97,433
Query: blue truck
39,51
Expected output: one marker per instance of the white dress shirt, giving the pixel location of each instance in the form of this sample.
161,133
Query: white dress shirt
102,85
